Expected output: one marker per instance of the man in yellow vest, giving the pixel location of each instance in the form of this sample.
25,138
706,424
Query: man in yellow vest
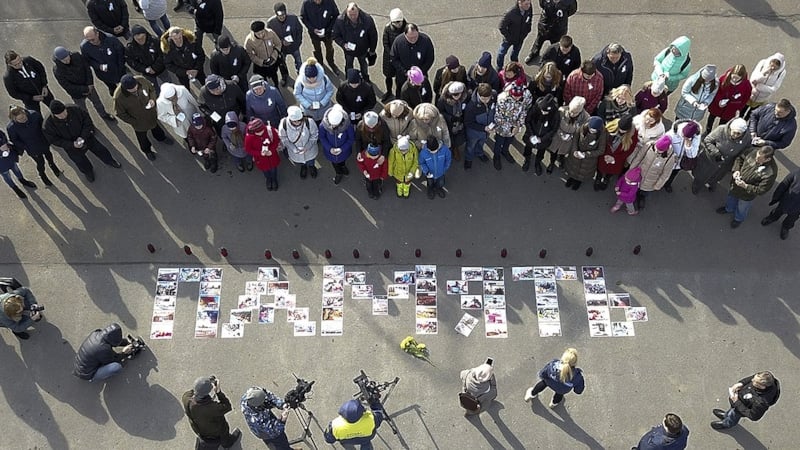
355,425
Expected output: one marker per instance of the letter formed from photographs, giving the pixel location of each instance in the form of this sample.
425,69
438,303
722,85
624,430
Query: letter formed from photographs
334,279
427,315
164,304
467,323
380,305
548,312
597,311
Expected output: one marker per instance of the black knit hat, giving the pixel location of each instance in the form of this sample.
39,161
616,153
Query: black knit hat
57,107
257,26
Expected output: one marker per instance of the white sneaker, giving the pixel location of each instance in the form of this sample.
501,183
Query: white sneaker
529,395
553,405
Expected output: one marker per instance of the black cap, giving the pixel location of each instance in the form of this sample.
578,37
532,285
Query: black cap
57,107
137,29
433,143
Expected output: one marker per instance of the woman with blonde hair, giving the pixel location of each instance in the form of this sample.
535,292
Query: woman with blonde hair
619,102
560,375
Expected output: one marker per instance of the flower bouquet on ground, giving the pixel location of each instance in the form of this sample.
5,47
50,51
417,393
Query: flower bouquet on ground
416,349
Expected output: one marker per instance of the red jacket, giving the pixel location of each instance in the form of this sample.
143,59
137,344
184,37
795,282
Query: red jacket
378,169
269,141
202,139
737,97
620,155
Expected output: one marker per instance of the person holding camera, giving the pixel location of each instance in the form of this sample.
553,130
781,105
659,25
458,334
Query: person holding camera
480,384
257,404
20,311
355,425
96,359
206,414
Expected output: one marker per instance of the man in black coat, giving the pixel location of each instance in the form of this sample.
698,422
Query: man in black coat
616,65
110,17
207,416
565,54
96,359
412,48
106,56
514,27
208,18
71,128
290,30
787,197
553,23
231,62
395,27
355,95
184,55
355,32
319,16
751,397
143,54
219,96
25,79
74,74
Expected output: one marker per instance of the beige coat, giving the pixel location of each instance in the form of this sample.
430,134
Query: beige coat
397,125
168,116
655,169
262,50
428,122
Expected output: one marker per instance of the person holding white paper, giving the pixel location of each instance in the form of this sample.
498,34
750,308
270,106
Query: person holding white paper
176,106
134,103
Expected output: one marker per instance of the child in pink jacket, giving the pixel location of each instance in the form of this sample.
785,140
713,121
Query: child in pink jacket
626,190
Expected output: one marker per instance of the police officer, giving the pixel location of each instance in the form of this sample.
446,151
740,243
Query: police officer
355,425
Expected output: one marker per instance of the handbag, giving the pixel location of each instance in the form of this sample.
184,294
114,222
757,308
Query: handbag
467,400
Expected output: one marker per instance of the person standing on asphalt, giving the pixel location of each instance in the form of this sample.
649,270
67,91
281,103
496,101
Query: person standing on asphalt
231,62
751,397
787,197
773,124
411,49
754,174
207,414
106,56
264,101
110,16
257,404
25,132
264,48
553,23
671,434
356,33
514,27
71,128
290,30
560,375
397,23
25,79
208,18
319,17
74,74
8,163
183,55
135,104
143,54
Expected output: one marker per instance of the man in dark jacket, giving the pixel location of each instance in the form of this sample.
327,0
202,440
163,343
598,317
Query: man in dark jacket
219,96
110,17
25,131
15,310
96,359
397,23
354,31
754,174
183,55
773,124
106,56
71,128
616,65
672,434
319,16
25,79
787,197
208,18
541,124
355,95
553,23
412,48
483,72
565,54
290,30
514,27
355,425
207,415
135,104
74,74
478,120
143,54
751,397
231,62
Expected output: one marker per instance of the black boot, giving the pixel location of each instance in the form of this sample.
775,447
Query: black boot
55,170
303,171
598,182
269,184
27,183
537,167
526,164
431,190
179,6
560,161
497,164
19,192
313,170
576,185
45,180
467,164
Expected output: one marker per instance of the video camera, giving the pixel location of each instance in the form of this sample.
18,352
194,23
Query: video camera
137,345
370,390
297,395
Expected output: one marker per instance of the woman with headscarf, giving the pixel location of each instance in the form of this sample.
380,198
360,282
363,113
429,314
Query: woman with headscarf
480,383
176,106
573,116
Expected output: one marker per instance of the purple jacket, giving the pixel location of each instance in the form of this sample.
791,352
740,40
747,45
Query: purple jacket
627,192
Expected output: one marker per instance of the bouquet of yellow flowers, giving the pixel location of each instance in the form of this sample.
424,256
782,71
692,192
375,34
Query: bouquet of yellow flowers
416,349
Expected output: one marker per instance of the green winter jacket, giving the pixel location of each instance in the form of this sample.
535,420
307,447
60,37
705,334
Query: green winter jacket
676,67
759,177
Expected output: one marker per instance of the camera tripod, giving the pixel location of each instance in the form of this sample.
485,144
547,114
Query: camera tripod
388,386
306,423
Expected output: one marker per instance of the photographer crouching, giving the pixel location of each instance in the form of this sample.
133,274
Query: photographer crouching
257,404
96,358
20,310
356,425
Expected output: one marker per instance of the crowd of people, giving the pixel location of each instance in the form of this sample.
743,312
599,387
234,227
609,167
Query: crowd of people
583,114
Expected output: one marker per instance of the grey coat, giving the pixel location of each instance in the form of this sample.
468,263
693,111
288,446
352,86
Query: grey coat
26,321
718,152
484,392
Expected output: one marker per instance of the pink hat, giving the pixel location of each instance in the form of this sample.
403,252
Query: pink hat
634,174
690,129
415,75
663,143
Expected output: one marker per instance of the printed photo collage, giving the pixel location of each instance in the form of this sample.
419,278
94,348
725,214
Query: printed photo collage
545,285
601,306
210,286
487,295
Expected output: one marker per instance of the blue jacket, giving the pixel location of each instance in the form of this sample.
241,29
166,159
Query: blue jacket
306,95
777,132
435,163
110,52
550,372
10,158
477,115
29,136
261,421
269,107
659,439
341,137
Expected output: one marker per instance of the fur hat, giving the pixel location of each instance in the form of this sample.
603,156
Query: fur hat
415,75
257,25
663,143
370,118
